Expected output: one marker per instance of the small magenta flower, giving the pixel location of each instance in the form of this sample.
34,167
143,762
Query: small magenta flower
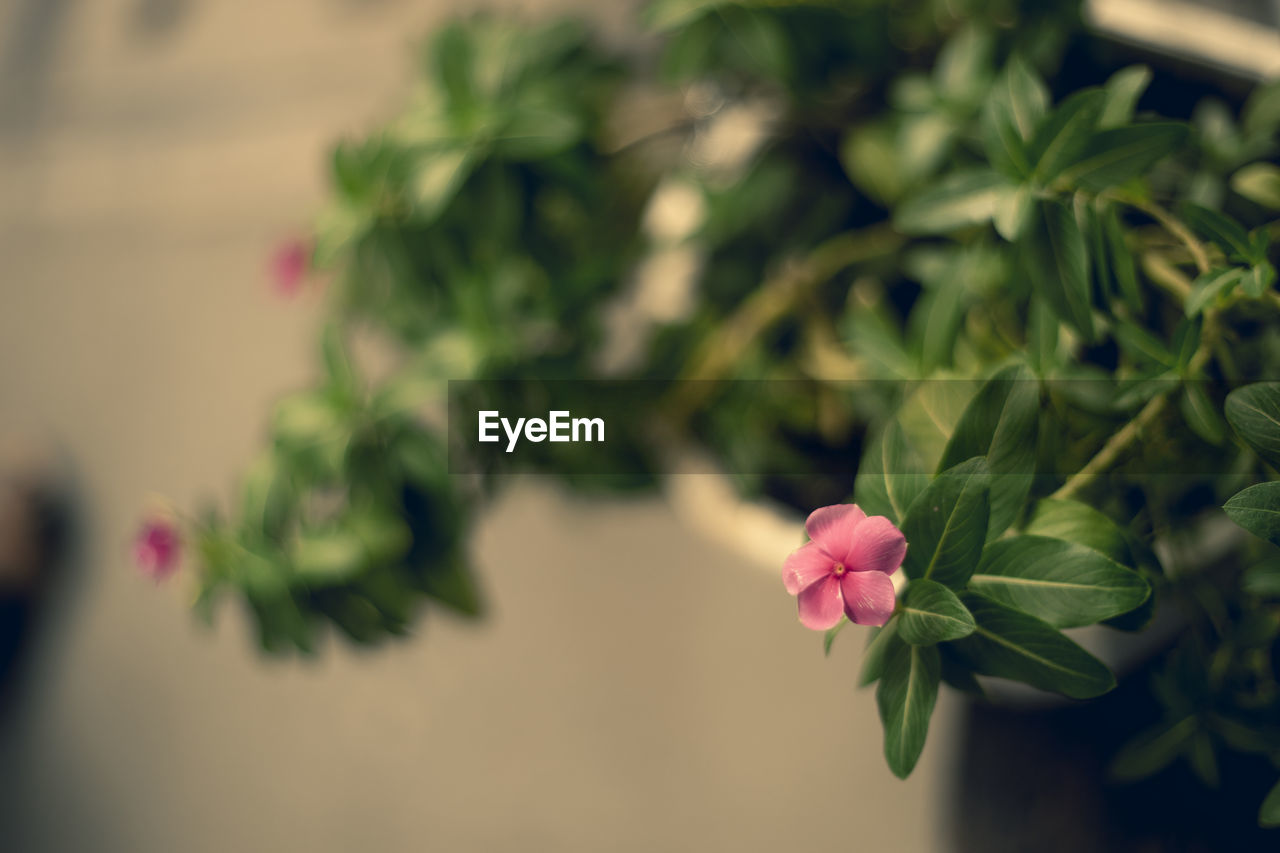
157,547
289,266
845,567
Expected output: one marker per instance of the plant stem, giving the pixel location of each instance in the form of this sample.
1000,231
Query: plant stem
770,302
1172,224
1112,450
1121,441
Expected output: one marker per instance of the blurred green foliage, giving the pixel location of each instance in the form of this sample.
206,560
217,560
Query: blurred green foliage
936,190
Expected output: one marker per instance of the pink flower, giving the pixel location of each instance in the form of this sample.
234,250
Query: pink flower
845,567
156,548
289,266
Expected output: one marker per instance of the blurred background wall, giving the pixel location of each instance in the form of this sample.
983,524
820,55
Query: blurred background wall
635,688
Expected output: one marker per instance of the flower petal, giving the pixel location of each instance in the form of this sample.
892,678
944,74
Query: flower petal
821,604
804,566
868,597
832,527
877,546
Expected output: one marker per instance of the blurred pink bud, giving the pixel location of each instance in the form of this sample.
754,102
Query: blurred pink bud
289,266
845,567
156,548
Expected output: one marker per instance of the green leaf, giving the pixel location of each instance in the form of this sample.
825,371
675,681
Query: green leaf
1056,260
332,555
1152,750
1001,423
1068,130
1262,580
963,198
1073,521
436,180
1209,287
1200,755
1013,212
1122,268
1140,345
1221,229
956,673
890,476
830,636
1260,183
1269,813
1257,510
1186,340
1065,584
1011,116
1123,89
963,68
907,693
930,613
870,156
943,312
1254,413
451,584
1201,414
883,642
1120,154
1258,279
1014,645
946,525
1042,338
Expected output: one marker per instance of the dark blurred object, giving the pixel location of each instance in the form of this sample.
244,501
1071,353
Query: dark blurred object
1067,804
34,521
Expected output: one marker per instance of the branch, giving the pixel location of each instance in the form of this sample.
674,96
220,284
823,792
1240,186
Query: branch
771,301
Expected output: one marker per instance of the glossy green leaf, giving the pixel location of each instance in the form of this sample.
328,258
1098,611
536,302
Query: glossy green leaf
1152,750
1121,266
1260,183
1061,139
1013,211
1254,413
946,525
1210,287
1221,229
829,636
1042,338
1201,414
1123,89
931,613
880,647
1065,584
1257,509
1056,260
942,312
962,71
1073,521
1269,812
1010,644
890,476
332,555
1119,154
907,693
1012,114
1001,424
958,200
1140,345
1258,279
451,584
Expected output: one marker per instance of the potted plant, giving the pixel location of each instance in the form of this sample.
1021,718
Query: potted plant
965,266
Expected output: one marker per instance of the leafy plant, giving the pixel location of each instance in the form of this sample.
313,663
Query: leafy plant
1045,299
